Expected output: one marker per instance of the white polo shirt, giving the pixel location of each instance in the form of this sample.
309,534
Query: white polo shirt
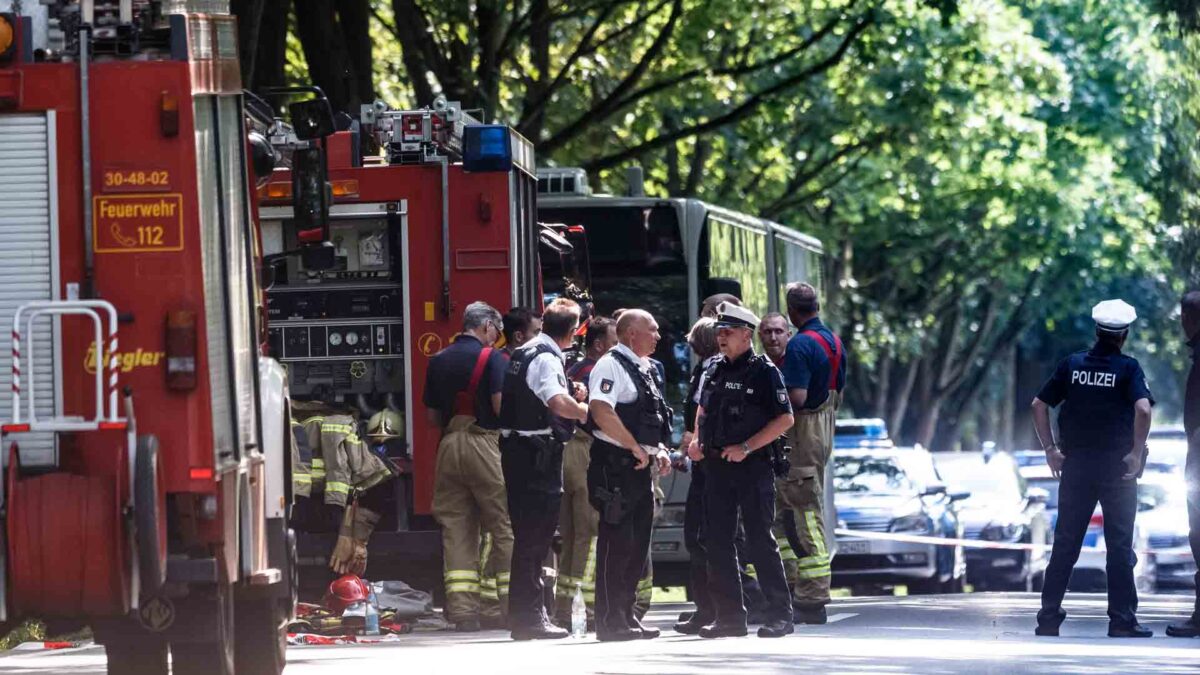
611,383
546,376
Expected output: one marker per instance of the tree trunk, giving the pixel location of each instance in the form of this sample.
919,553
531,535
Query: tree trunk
355,19
325,51
539,80
270,46
490,30
1008,400
417,48
883,384
900,401
927,421
249,14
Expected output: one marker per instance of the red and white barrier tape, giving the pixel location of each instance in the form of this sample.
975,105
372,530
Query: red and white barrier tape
940,541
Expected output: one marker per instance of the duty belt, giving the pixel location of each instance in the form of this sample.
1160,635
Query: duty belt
536,432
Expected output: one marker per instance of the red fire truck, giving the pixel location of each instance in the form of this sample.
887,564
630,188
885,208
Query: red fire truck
146,480
431,210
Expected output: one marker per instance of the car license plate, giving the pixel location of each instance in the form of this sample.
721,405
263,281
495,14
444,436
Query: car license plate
854,547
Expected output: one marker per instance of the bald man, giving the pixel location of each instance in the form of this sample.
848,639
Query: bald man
632,422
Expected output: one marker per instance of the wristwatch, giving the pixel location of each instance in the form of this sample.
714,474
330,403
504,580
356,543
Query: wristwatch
746,448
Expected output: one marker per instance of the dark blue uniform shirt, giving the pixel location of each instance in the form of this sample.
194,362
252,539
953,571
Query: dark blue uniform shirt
450,372
805,365
739,399
1097,389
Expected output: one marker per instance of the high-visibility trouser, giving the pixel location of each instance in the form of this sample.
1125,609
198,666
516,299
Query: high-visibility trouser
468,499
493,584
803,492
785,533
578,523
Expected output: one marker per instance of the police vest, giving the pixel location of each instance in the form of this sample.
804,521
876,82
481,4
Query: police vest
520,408
647,417
729,417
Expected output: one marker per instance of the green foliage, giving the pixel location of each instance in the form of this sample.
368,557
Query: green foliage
981,171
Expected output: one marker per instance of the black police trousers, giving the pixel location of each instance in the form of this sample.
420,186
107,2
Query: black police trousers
1192,473
693,541
750,487
532,469
1079,490
622,544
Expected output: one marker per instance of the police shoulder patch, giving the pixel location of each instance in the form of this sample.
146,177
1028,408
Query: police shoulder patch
606,386
562,381
781,394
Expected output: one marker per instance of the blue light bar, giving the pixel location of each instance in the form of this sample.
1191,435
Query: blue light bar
487,147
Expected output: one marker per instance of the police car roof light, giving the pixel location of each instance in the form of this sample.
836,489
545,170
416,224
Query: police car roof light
487,147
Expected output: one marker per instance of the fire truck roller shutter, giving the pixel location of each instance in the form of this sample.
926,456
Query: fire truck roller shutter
28,271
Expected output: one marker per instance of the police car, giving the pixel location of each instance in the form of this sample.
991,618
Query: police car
895,490
1090,571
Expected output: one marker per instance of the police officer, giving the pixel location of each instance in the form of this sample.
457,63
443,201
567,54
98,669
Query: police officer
536,419
814,369
744,409
1102,431
1190,317
462,397
631,422
578,520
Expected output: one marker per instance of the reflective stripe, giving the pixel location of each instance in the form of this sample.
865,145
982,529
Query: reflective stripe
504,576
813,573
750,571
589,567
813,561
645,583
332,428
814,532
318,463
461,575
489,595
337,487
462,587
301,478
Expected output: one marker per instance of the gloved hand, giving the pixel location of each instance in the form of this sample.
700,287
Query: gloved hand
350,552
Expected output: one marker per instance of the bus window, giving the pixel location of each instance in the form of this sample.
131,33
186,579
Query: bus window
738,253
795,262
637,260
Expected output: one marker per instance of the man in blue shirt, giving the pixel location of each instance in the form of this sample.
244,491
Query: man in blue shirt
1100,452
462,397
814,371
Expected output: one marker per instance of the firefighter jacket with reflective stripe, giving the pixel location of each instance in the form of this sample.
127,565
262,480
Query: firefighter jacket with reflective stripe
302,462
341,461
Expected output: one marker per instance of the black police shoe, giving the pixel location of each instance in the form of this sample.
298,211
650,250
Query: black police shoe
624,635
692,625
719,630
1137,630
776,629
545,631
1048,622
647,633
815,616
1185,629
467,626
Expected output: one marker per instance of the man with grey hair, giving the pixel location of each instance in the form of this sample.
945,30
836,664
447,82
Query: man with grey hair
462,397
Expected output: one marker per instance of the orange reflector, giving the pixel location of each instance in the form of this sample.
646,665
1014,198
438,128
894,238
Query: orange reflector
279,190
200,473
15,428
575,229
7,35
345,188
112,426
168,115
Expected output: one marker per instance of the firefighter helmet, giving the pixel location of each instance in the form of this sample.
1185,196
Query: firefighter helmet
386,423
345,591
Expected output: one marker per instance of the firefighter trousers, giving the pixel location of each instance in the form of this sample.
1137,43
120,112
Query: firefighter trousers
468,500
577,524
802,492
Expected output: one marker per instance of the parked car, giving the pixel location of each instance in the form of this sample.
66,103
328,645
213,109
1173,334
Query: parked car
1002,508
1162,512
1090,570
861,433
894,490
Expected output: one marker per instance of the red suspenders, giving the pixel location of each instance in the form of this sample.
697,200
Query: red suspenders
833,353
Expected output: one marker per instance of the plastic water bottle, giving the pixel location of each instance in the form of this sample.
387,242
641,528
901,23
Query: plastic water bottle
372,624
578,614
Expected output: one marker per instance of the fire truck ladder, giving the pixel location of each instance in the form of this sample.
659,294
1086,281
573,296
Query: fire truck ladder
107,418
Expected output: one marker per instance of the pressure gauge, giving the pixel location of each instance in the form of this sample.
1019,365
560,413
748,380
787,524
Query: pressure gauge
335,339
351,339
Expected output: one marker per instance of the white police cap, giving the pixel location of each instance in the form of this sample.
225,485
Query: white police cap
1113,315
730,315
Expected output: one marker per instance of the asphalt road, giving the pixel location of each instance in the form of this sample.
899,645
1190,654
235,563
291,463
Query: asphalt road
974,633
